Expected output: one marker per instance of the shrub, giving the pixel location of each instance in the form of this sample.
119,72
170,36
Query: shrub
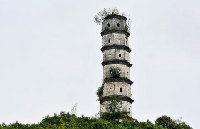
100,92
104,13
115,72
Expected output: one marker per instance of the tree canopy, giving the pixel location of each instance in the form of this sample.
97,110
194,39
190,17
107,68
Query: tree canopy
70,121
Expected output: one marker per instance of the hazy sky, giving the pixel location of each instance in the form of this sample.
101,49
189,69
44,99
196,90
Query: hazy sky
50,58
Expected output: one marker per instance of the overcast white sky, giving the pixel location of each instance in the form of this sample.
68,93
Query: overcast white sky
50,58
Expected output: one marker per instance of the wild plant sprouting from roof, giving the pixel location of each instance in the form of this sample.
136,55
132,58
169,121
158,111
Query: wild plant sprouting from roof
104,13
99,17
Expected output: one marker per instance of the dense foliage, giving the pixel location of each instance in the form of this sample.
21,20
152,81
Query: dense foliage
68,121
167,122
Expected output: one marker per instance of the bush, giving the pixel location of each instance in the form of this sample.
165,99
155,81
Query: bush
100,92
115,72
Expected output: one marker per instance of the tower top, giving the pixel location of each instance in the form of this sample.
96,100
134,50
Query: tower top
110,14
114,23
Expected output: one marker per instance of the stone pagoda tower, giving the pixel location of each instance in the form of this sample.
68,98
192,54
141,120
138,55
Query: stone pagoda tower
116,64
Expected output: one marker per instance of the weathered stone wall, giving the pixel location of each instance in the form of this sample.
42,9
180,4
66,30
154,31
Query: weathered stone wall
115,38
113,54
113,88
125,70
114,23
123,106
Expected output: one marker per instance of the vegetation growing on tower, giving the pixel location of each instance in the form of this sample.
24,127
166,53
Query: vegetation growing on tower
99,92
100,16
114,110
115,72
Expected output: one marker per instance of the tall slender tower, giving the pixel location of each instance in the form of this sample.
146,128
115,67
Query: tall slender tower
116,64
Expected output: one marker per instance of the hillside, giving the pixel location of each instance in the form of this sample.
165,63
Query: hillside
68,121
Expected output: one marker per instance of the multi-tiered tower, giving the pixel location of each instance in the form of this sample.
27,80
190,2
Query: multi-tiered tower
115,49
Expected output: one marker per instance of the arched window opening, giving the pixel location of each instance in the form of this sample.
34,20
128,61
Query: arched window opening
120,55
120,89
118,25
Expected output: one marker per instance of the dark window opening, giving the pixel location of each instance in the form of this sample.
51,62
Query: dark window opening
108,24
126,40
109,40
118,25
119,55
127,73
120,89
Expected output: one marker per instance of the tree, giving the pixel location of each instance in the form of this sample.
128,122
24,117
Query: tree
167,122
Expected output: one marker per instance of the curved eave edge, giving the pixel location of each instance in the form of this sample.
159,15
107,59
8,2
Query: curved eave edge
115,16
115,31
121,79
123,47
120,97
117,62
